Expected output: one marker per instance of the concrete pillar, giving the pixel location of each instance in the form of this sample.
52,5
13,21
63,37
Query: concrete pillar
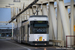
20,20
17,17
16,10
31,13
60,31
72,41
59,24
53,17
44,10
64,20
67,14
34,9
12,11
12,30
18,26
18,32
55,12
22,6
26,15
37,9
51,34
23,16
72,17
72,21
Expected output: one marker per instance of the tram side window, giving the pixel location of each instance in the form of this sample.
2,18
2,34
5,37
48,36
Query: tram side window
23,29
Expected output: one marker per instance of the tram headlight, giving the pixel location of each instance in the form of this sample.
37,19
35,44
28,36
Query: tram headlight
44,39
36,39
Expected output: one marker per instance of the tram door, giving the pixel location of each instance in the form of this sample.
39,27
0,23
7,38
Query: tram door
23,32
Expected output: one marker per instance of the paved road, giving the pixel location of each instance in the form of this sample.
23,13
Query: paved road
12,45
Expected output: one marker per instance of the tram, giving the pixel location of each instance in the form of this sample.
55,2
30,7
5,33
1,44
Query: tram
34,31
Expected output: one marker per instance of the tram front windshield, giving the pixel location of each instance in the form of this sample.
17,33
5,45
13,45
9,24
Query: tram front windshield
39,27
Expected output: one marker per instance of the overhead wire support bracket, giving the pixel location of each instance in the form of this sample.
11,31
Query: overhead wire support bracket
30,5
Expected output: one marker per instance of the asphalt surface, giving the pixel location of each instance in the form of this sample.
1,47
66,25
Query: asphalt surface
6,44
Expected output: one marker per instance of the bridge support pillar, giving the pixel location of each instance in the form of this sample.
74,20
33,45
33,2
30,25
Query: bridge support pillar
72,21
64,20
60,30
51,35
53,18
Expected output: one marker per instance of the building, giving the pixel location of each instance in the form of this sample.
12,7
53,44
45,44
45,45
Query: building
5,32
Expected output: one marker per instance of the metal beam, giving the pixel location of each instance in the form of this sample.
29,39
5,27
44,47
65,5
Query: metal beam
24,10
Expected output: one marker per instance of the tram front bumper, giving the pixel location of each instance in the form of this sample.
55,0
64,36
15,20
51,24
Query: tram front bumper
39,42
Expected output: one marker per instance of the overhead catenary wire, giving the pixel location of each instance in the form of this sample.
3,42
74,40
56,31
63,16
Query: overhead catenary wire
30,5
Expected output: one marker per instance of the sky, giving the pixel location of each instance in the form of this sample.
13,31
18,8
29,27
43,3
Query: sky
5,14
66,1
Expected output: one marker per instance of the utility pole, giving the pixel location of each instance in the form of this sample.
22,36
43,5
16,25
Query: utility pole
12,30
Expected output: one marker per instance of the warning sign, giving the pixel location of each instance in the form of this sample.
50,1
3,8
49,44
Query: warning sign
74,27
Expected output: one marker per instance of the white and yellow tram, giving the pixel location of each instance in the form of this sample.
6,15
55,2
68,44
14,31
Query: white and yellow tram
34,31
